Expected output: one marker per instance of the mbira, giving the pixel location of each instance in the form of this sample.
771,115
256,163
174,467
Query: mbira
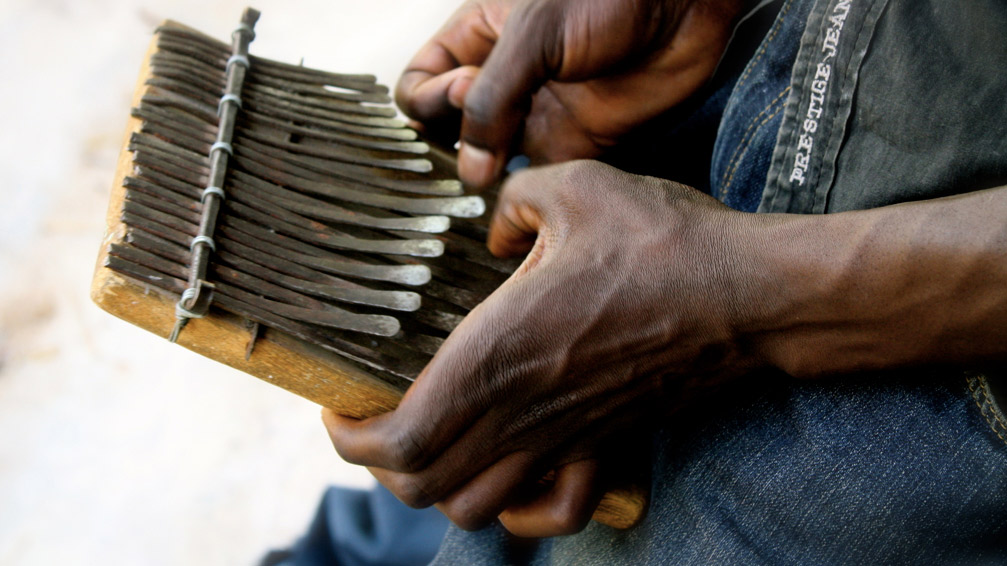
283,221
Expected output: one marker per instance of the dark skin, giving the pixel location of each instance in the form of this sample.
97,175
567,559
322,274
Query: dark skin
559,79
638,292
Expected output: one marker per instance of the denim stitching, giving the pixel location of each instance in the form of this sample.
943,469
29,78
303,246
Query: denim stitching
980,394
839,122
742,149
765,44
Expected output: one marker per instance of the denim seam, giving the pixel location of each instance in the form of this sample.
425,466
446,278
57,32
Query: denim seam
742,149
987,408
779,196
777,25
846,93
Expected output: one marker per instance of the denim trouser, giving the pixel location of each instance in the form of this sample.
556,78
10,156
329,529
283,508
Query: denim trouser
887,468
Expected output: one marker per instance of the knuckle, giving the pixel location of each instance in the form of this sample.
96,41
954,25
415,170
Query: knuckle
568,521
412,491
405,451
480,107
468,517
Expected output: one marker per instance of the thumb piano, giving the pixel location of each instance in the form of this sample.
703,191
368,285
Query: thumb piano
283,221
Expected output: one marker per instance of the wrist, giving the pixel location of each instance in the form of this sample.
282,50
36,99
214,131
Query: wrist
897,286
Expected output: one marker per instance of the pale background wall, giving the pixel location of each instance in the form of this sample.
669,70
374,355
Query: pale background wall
115,446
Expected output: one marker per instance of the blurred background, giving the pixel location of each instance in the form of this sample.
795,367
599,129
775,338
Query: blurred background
117,447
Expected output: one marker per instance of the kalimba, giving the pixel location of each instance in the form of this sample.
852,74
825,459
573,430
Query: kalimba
283,221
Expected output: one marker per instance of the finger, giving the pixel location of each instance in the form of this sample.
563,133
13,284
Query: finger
430,98
564,509
466,40
364,442
449,397
394,441
519,215
476,503
524,58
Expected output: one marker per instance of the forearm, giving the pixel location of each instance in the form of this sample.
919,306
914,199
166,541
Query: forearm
917,283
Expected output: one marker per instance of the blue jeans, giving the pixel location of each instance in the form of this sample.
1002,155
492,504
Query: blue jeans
887,468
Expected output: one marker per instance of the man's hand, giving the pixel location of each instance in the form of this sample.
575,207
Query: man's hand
633,286
559,79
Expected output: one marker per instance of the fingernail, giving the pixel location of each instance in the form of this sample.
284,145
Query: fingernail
476,166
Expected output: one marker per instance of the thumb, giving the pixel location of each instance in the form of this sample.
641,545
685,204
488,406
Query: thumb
527,55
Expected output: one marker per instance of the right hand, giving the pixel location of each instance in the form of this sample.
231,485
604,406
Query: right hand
559,79
630,302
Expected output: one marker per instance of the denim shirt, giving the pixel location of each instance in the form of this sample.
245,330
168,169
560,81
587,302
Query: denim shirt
845,105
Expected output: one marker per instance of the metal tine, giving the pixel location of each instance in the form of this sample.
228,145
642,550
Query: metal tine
307,75
200,114
174,117
167,43
175,128
302,228
323,210
215,53
258,101
203,132
161,205
146,152
274,258
308,206
402,134
265,267
164,180
389,367
371,177
323,91
209,76
263,211
178,81
367,83
141,222
257,120
185,88
180,231
312,233
193,97
334,153
324,103
171,244
291,172
406,301
286,272
270,242
169,99
238,256
169,196
317,312
162,247
183,84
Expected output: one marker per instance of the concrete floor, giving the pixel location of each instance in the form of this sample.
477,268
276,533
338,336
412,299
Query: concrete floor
115,446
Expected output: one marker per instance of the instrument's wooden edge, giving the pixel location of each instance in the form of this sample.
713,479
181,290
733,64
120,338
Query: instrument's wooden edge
281,360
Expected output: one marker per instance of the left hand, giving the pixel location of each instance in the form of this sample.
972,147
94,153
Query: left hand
559,79
633,286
